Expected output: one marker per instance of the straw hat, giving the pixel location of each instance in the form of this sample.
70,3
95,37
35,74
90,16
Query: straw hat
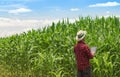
80,35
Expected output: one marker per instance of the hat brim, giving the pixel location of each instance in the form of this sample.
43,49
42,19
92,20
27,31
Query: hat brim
79,39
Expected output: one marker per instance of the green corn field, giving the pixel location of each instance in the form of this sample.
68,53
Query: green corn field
48,52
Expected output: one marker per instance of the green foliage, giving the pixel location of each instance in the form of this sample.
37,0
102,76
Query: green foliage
48,52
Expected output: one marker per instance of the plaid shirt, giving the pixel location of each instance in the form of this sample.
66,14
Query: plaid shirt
83,54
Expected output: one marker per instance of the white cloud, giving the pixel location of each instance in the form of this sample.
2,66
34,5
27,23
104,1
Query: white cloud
10,26
20,10
74,9
108,4
9,22
14,8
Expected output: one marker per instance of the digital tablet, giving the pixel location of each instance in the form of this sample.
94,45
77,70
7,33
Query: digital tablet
93,49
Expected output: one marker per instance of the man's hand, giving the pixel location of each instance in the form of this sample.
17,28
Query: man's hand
93,53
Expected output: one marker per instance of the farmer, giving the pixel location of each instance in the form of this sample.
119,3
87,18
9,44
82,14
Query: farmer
83,55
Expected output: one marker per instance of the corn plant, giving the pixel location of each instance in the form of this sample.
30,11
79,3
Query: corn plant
48,52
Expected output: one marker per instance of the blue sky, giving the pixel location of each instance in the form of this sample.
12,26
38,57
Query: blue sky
57,8
21,15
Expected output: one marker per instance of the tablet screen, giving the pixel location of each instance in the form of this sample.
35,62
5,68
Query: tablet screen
93,49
